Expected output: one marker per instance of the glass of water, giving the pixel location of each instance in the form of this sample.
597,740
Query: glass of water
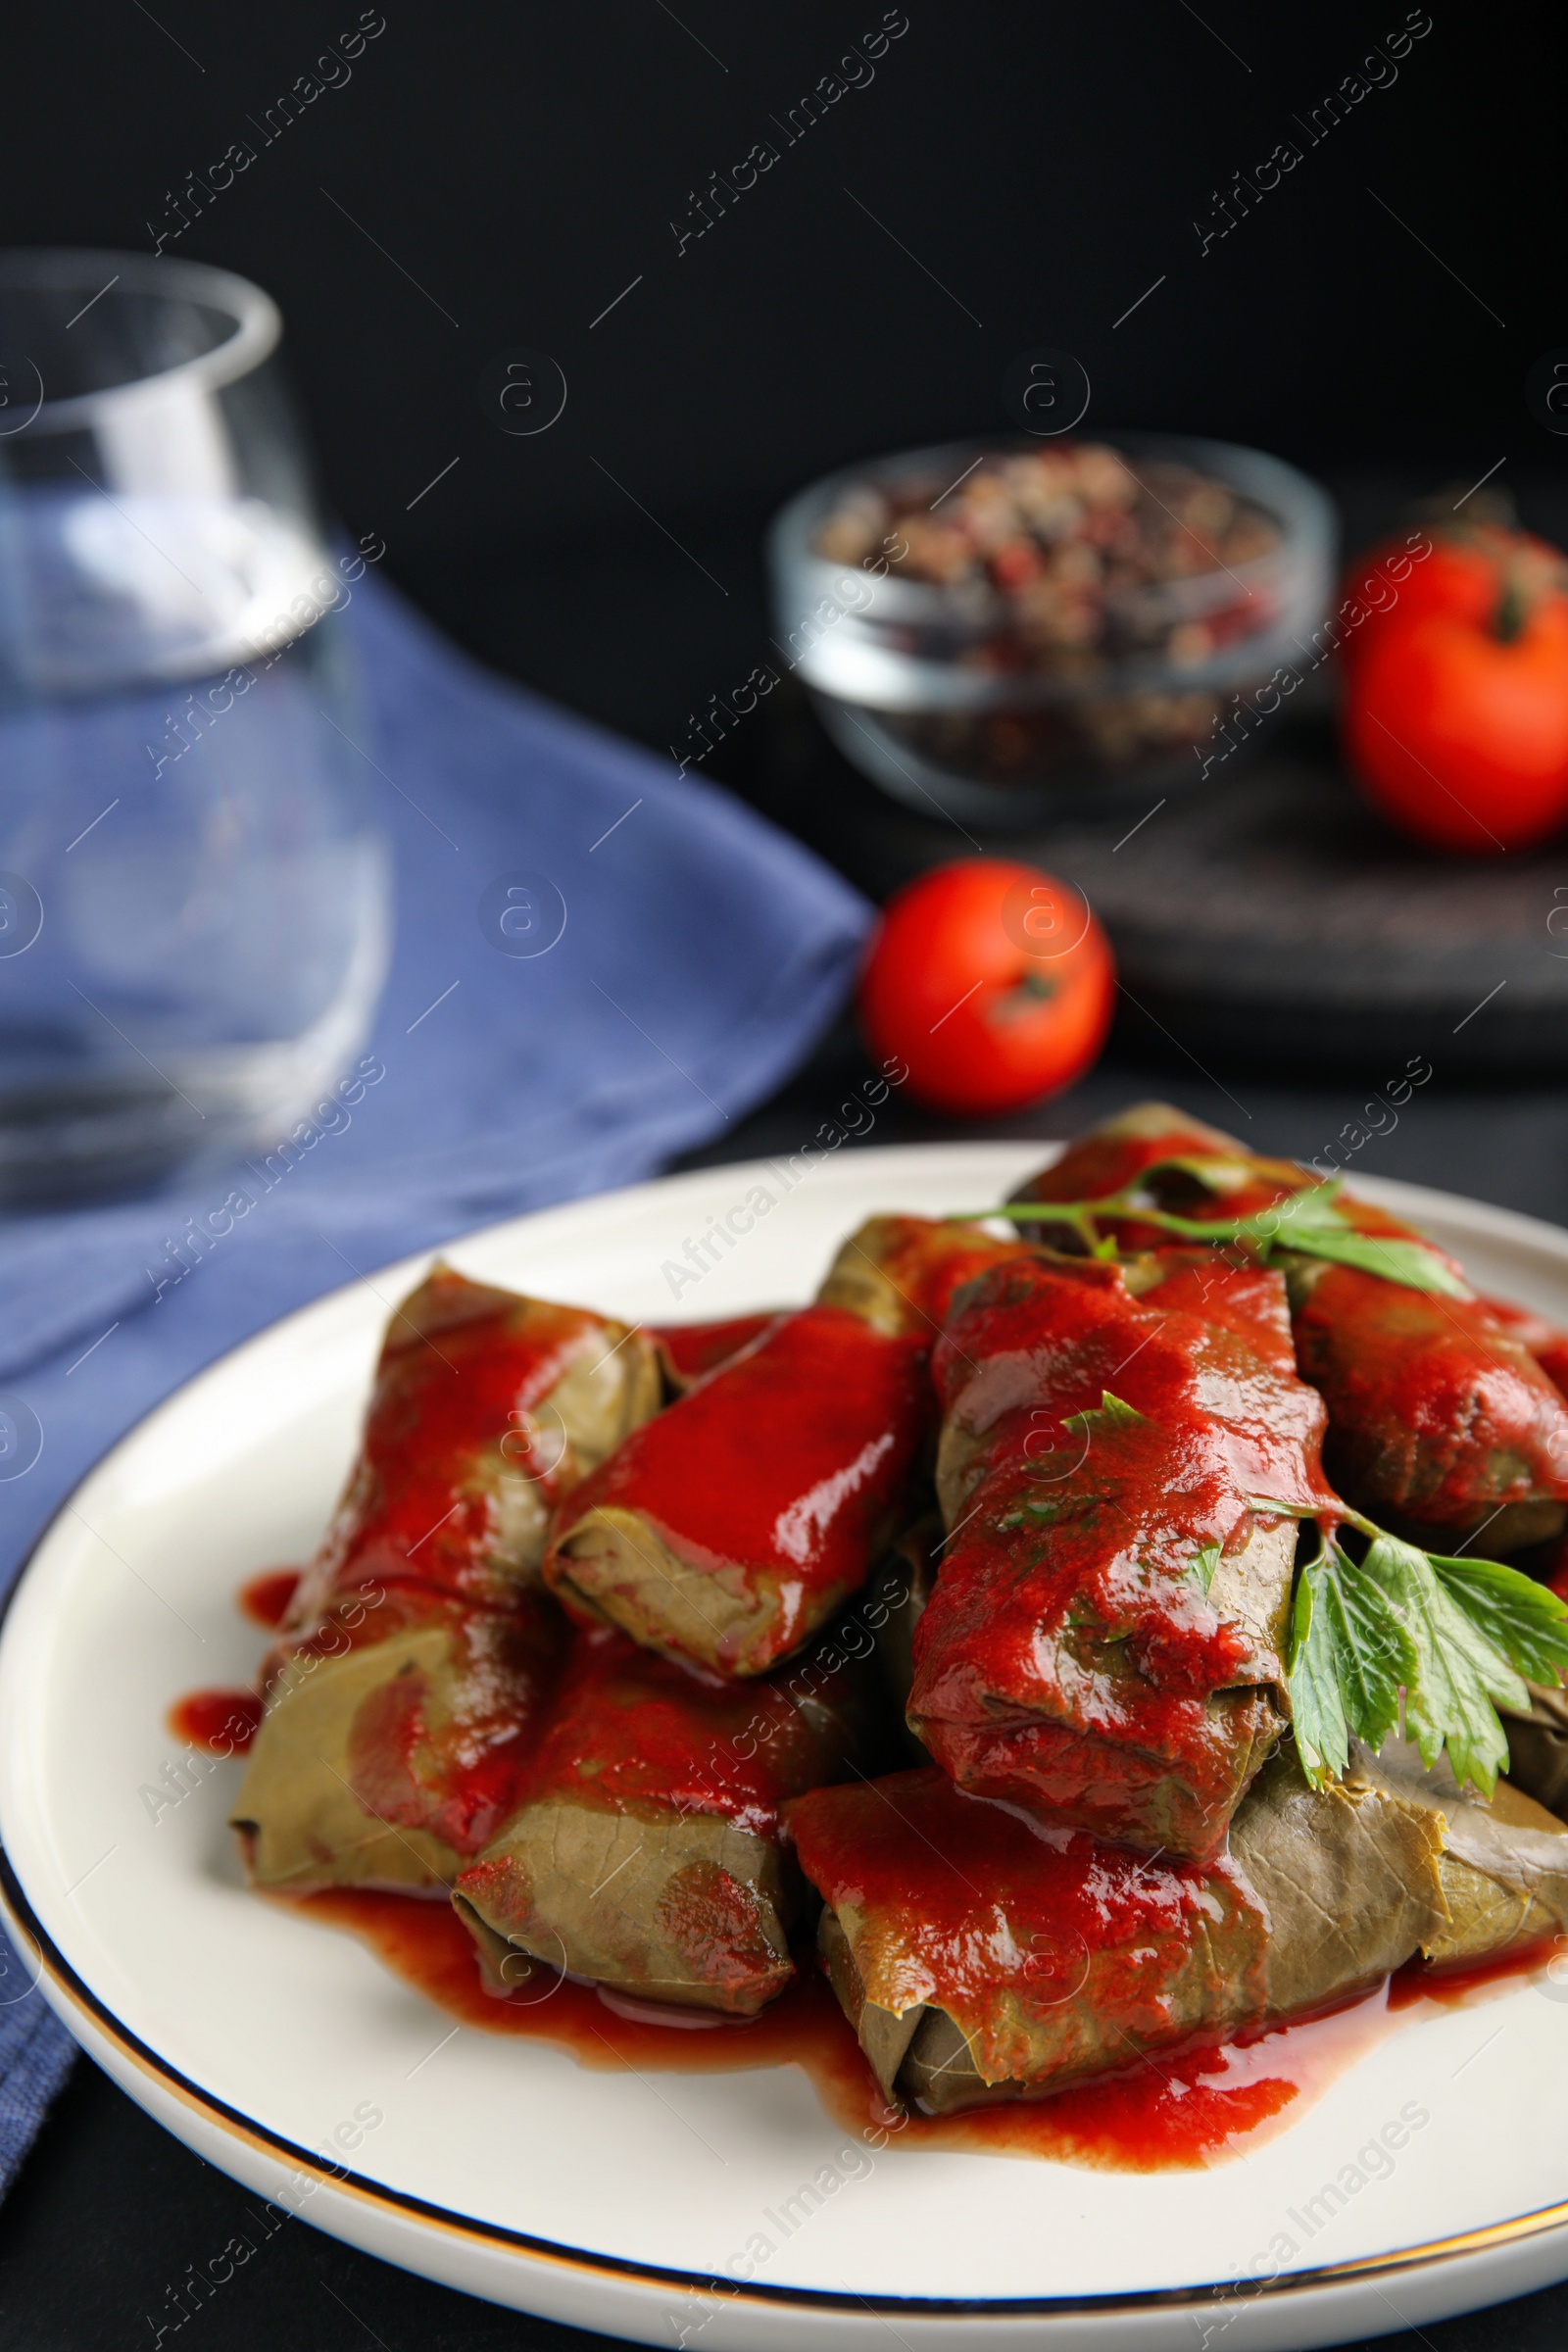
194,897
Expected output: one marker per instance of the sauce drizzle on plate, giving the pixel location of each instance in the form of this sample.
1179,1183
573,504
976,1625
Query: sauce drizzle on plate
266,1598
221,1723
1187,2113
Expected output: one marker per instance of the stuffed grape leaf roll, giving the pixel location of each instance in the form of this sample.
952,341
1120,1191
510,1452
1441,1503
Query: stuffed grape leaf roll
1440,1422
900,1272
1545,1341
396,1736
979,1961
1104,1641
689,1352
406,1690
727,1530
487,1407
1443,1417
647,1853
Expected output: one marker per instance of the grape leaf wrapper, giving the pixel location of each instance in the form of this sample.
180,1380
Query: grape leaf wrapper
1215,1173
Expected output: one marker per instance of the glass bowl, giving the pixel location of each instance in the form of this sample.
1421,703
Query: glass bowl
937,692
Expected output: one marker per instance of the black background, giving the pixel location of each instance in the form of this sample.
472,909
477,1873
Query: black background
1045,163
1032,171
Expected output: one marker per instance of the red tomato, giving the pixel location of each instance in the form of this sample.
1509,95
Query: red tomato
1460,736
1464,571
991,981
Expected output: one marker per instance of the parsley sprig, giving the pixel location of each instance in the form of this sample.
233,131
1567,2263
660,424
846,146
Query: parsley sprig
1313,1222
1447,1641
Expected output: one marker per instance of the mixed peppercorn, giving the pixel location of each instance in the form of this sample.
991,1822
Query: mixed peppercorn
1073,538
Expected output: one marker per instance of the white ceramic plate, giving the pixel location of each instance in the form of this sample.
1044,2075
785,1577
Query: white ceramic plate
613,2200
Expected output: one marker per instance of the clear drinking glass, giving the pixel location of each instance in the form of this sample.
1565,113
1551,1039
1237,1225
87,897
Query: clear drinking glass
194,899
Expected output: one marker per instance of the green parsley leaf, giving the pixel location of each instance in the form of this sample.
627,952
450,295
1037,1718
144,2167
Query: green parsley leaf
1202,1567
1318,1711
1312,1221
1314,1209
1315,1223
1355,1641
1377,1651
1110,1413
1453,1636
1456,1673
1409,1263
1522,1619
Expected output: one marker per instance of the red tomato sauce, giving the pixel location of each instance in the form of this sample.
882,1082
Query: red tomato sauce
691,1350
629,1729
1190,2112
221,1723
264,1599
1461,1984
452,1406
786,1464
1101,1164
927,1260
932,1875
1065,1599
1438,1407
1436,1411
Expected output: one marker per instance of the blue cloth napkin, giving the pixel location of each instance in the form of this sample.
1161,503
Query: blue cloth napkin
703,953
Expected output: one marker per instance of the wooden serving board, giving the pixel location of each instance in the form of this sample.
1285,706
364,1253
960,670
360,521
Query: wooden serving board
1269,919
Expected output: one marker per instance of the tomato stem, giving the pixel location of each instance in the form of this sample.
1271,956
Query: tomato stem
1513,609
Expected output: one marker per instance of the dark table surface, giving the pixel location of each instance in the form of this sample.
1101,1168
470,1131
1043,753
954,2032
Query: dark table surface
109,2209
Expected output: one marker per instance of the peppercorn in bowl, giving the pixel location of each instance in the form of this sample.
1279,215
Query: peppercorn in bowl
1016,628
